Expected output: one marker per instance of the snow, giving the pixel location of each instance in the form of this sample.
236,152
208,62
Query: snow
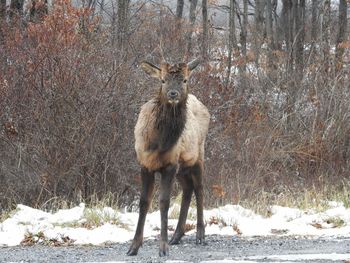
304,257
119,226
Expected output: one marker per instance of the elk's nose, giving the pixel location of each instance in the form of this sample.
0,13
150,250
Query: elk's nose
173,94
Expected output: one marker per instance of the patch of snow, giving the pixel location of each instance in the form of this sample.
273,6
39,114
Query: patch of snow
65,216
116,226
304,257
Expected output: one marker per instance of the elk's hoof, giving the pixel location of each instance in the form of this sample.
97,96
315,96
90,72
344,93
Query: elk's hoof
134,248
200,236
175,240
163,253
163,249
132,252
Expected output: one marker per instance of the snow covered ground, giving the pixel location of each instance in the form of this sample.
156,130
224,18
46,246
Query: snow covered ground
73,226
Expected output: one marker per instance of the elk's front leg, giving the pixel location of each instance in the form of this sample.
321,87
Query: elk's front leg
197,175
147,178
165,189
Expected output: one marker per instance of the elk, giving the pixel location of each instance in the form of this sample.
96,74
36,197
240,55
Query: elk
169,139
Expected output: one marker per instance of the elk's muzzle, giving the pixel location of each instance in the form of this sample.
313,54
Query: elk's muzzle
173,96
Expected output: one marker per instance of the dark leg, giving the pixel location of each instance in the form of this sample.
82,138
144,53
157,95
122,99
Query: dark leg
197,174
145,201
184,177
165,189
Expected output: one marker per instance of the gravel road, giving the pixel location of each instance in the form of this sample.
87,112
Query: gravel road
217,248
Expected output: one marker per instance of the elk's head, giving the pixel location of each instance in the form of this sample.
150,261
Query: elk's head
174,79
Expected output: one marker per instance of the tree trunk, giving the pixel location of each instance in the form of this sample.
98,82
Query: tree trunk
178,18
274,24
269,34
287,21
2,18
326,28
181,45
269,23
314,24
259,21
122,24
296,58
242,66
287,27
299,37
179,9
342,25
205,30
37,12
231,40
2,9
16,7
193,7
243,38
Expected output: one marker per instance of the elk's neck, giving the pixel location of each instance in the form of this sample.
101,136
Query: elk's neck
169,125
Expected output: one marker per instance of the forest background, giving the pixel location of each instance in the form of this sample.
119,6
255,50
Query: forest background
275,77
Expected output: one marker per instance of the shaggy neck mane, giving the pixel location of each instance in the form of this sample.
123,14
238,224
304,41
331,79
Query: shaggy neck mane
169,125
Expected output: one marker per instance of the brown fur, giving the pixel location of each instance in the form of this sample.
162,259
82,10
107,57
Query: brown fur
169,138
190,146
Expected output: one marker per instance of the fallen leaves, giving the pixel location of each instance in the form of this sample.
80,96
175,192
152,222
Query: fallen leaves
31,239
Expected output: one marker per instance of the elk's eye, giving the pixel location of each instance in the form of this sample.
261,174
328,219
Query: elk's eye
163,81
185,80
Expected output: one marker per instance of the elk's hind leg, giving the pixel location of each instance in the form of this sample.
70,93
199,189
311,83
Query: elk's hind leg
185,180
147,179
197,177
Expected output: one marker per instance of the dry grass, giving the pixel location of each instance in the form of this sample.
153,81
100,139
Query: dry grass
314,198
5,214
31,239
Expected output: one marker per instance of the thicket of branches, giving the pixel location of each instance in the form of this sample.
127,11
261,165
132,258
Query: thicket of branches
276,84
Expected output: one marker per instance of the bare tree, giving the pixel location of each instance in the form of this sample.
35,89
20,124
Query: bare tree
243,38
269,33
193,7
2,17
326,33
286,18
178,32
299,35
16,7
275,24
205,30
179,9
314,24
232,41
39,9
259,22
122,23
2,8
342,26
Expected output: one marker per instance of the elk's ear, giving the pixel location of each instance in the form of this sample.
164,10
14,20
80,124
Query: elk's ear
193,64
151,69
